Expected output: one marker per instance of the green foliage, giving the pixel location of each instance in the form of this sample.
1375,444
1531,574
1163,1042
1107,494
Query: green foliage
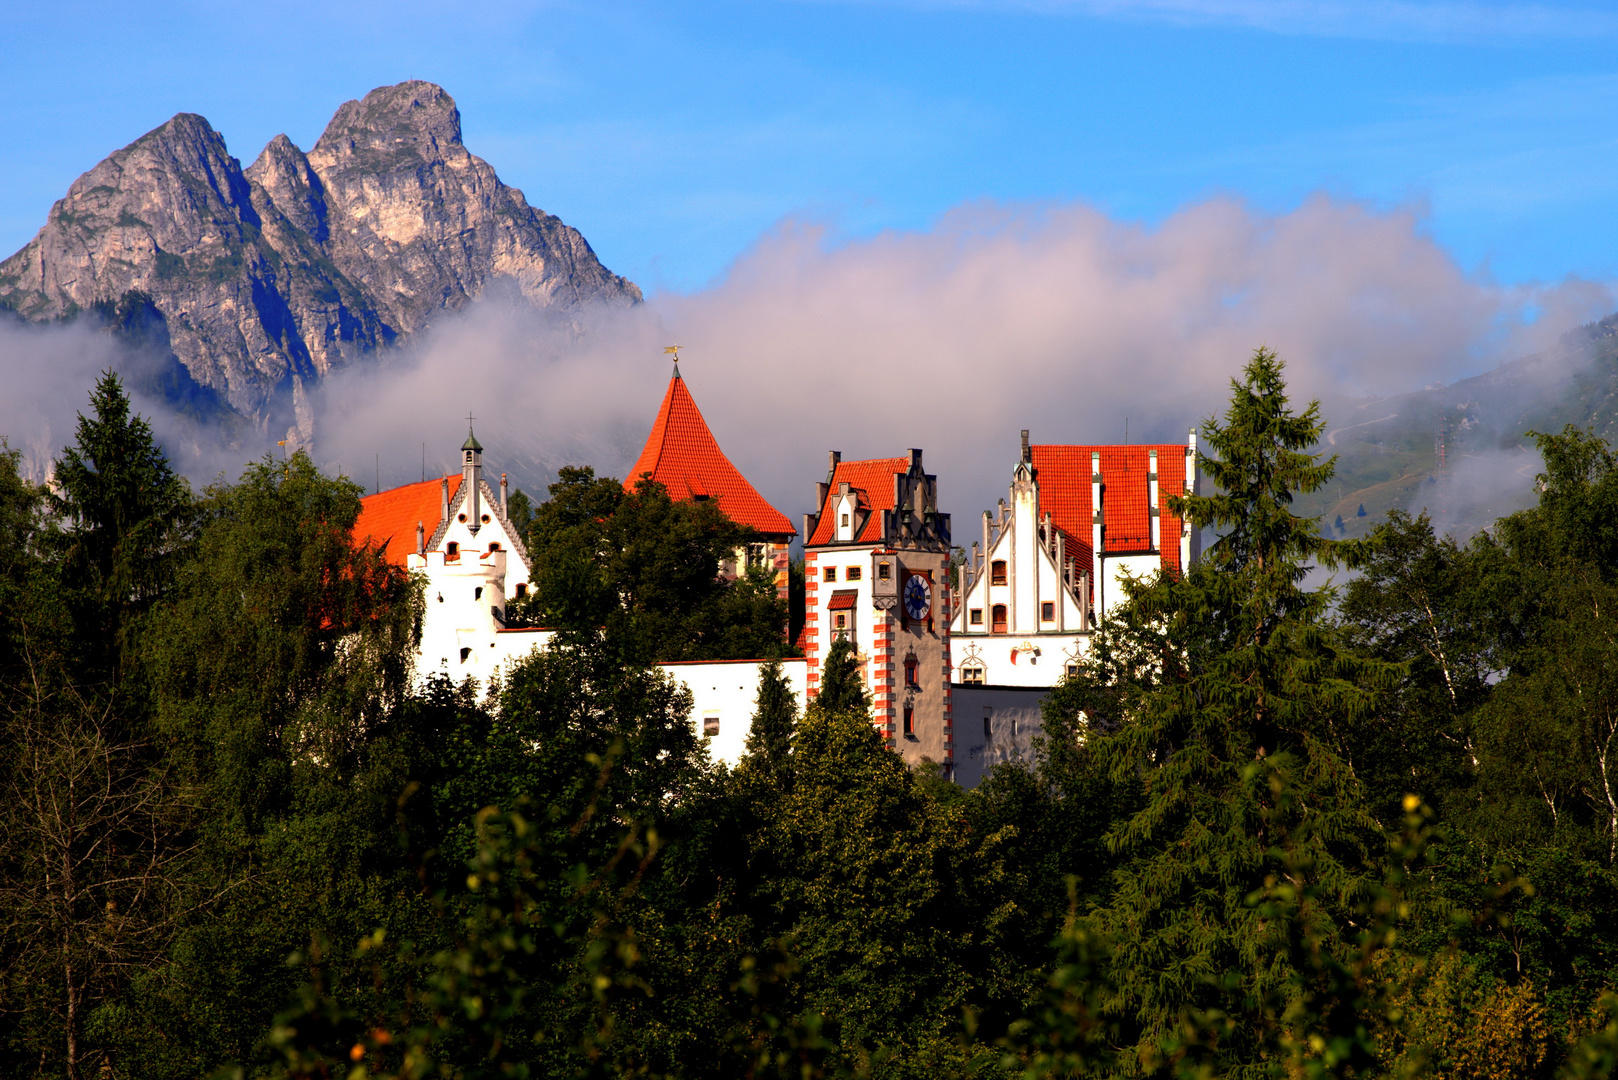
647,567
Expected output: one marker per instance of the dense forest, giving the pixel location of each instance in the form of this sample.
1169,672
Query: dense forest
1273,829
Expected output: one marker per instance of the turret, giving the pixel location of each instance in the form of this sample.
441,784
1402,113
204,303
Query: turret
472,478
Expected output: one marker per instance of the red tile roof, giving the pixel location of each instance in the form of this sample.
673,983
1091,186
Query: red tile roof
682,455
1064,493
389,517
872,482
843,599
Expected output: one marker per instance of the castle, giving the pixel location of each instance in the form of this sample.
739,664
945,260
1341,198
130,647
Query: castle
957,653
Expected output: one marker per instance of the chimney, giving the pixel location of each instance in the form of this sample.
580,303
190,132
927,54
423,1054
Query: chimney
421,539
502,494
443,500
1027,451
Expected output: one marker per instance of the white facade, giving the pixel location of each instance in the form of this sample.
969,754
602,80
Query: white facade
724,695
1024,618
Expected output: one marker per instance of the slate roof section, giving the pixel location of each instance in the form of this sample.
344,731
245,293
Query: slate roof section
1064,493
682,455
388,518
872,481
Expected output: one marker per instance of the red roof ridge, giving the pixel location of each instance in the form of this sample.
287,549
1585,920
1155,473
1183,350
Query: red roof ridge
388,518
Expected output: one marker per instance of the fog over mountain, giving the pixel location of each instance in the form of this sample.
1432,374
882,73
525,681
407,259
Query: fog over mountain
1054,317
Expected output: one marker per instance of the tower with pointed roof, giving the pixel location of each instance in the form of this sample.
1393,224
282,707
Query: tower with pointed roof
682,454
876,563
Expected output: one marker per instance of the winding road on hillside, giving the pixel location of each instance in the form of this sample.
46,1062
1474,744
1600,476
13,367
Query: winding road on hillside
1331,436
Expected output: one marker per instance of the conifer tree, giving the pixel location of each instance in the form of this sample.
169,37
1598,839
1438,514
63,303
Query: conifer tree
842,687
124,509
1231,739
775,716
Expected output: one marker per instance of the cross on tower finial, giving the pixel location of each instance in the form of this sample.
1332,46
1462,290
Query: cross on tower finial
469,419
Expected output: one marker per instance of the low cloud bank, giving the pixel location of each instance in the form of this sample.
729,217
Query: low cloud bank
1056,318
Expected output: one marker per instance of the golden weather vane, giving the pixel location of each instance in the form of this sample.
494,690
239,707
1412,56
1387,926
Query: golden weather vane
673,350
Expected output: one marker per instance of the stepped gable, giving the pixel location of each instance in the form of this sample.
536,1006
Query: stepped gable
872,481
682,455
388,519
1064,492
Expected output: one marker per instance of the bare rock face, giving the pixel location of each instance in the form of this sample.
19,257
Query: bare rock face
268,278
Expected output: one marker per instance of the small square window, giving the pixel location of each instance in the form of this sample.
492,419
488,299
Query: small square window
1047,611
842,622
977,616
884,572
845,521
710,724
1073,671
830,574
853,573
972,673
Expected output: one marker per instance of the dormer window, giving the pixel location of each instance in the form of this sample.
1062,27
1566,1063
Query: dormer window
997,572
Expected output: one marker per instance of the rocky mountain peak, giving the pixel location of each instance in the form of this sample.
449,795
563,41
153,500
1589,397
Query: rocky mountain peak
413,119
263,279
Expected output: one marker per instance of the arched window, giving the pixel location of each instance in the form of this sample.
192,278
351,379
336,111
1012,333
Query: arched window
998,617
452,552
910,720
997,572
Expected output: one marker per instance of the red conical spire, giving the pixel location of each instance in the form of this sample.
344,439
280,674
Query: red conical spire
682,455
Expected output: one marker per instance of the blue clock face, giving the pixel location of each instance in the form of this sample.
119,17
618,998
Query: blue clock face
918,597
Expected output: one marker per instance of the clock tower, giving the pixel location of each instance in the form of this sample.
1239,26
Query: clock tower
877,573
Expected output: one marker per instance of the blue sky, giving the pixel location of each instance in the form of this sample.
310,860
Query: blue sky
675,136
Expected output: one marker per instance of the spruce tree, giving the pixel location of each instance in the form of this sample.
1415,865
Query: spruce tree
842,687
125,514
1231,740
775,715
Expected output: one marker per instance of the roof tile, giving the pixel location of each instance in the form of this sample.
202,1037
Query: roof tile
872,481
388,518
